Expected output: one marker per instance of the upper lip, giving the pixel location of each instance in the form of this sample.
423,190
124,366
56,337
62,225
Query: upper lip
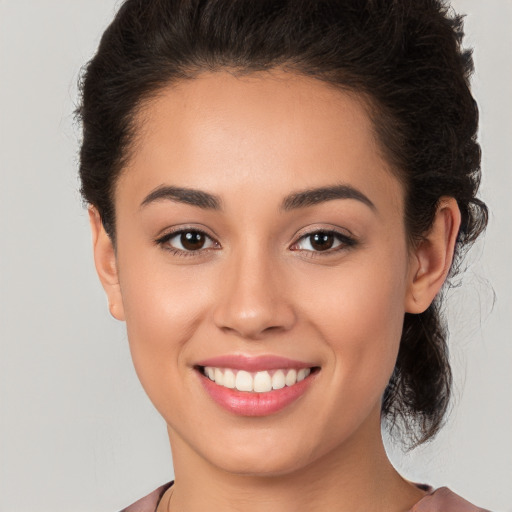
253,363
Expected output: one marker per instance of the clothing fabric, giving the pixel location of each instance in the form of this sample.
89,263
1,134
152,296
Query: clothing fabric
440,500
150,502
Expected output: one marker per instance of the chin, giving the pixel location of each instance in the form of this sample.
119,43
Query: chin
257,466
260,455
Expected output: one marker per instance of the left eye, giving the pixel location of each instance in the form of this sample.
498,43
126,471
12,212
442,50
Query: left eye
321,241
187,241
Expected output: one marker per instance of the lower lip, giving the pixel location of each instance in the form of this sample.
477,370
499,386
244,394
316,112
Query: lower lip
245,403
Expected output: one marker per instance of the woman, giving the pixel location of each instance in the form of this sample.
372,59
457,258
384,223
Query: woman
278,192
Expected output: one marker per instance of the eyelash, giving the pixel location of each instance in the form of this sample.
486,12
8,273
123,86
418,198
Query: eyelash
345,242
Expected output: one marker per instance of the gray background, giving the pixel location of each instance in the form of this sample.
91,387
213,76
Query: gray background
76,430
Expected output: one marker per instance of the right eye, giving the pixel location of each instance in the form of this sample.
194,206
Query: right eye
187,241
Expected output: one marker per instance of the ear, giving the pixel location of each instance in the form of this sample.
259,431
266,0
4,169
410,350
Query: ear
431,260
106,264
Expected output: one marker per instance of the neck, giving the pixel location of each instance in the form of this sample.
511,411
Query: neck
356,476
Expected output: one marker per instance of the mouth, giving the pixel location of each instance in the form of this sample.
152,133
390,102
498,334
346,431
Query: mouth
251,389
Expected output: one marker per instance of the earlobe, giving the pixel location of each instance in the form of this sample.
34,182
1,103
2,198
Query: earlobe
106,264
432,258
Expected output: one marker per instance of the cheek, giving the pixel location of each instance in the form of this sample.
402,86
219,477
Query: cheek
359,311
164,306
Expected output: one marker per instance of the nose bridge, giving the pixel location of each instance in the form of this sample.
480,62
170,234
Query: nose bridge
252,298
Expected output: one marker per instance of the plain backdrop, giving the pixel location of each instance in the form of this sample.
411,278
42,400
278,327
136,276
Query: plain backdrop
76,430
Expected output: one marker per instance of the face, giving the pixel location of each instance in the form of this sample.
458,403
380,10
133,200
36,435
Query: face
261,244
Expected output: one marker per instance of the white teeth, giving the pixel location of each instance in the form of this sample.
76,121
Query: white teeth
262,382
258,382
244,381
219,377
291,377
278,380
301,374
229,379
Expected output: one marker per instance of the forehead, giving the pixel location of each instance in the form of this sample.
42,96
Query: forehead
271,131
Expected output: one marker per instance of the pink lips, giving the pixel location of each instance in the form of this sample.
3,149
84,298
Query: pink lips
254,404
252,363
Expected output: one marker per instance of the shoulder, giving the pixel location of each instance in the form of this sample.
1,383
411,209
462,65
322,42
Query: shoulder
149,502
444,500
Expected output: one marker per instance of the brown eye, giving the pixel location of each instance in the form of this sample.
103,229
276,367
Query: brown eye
322,241
192,240
187,241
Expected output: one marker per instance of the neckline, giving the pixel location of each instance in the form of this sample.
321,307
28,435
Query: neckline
162,490
423,487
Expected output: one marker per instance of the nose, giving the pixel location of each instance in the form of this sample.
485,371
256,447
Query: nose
252,299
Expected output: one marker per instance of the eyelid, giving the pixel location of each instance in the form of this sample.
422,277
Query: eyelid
324,228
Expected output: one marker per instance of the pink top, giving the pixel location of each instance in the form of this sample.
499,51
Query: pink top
440,500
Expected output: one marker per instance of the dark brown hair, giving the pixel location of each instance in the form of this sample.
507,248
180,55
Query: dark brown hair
403,56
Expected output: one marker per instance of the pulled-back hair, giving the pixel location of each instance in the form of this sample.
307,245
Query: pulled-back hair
405,60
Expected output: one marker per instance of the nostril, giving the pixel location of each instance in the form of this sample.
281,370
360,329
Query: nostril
254,323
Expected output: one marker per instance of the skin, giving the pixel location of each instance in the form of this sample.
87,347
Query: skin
258,288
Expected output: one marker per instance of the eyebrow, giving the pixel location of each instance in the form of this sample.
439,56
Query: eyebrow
190,196
293,201
315,196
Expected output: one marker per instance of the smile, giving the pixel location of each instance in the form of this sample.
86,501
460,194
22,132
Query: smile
256,382
255,386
